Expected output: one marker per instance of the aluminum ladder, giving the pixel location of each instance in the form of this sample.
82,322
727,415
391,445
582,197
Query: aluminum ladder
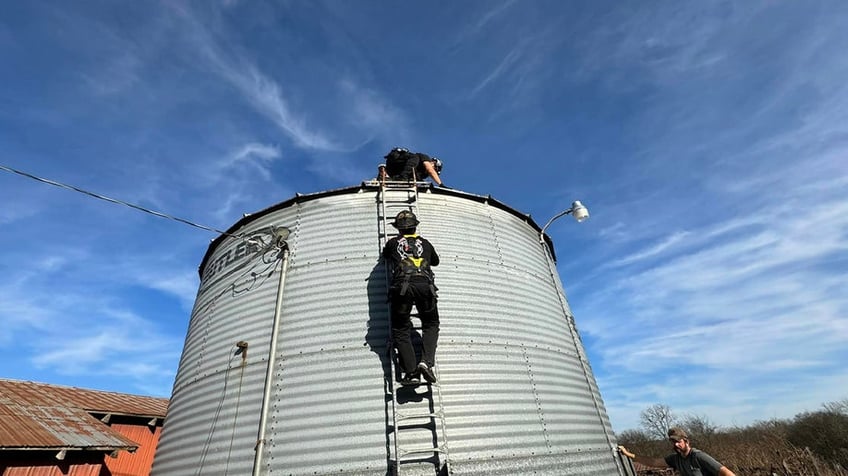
417,418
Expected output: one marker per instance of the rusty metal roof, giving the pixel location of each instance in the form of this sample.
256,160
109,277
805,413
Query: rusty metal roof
41,416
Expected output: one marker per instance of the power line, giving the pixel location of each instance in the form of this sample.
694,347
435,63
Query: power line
113,200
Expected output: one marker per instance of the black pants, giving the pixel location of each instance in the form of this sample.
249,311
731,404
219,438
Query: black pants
422,296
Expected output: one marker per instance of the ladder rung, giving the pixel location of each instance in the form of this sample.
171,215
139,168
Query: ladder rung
419,384
429,426
405,183
407,416
421,450
395,183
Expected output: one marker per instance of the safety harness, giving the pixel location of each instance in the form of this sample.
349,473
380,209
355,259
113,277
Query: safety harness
412,263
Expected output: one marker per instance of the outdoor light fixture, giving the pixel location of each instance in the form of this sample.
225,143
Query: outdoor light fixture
61,455
578,210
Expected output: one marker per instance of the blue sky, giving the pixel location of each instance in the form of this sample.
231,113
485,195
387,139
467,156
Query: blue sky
708,139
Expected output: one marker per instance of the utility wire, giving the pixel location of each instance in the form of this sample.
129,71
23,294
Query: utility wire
113,200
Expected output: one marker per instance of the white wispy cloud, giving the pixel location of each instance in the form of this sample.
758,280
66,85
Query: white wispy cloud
483,20
653,251
109,346
113,60
242,180
260,151
262,92
345,113
256,155
120,74
507,62
750,298
69,329
518,71
662,41
266,95
11,215
368,110
180,283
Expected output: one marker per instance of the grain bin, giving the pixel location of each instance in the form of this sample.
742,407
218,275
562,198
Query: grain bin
517,393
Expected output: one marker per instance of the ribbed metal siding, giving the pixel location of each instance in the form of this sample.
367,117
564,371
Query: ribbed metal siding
139,462
515,393
47,467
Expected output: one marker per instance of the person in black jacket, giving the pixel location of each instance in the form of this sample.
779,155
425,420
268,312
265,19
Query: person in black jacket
402,164
410,258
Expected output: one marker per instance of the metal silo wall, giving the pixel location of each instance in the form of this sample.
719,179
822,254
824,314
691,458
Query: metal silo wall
213,415
517,398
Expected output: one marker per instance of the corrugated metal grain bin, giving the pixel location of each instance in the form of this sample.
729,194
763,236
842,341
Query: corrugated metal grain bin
518,395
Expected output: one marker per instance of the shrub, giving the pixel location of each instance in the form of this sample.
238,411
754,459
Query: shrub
825,433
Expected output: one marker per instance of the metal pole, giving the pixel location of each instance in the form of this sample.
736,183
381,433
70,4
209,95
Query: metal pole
272,358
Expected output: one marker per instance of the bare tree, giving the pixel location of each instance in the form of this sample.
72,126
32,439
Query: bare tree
656,420
633,437
840,406
700,428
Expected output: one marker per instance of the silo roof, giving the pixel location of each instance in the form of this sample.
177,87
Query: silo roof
42,416
371,185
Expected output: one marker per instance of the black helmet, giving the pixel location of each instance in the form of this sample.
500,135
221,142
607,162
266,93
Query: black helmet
405,220
437,164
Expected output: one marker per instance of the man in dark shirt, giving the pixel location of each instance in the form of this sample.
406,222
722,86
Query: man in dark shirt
687,460
402,164
409,258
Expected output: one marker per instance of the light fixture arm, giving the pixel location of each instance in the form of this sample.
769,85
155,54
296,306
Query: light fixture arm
558,215
577,209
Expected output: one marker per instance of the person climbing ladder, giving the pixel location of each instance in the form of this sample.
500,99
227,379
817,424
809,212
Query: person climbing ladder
410,258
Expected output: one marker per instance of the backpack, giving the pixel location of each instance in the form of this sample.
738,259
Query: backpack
396,164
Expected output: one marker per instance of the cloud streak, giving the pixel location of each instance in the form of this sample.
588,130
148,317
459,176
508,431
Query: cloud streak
652,251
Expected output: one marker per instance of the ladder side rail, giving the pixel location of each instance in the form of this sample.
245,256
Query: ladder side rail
392,385
440,446
383,239
440,411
